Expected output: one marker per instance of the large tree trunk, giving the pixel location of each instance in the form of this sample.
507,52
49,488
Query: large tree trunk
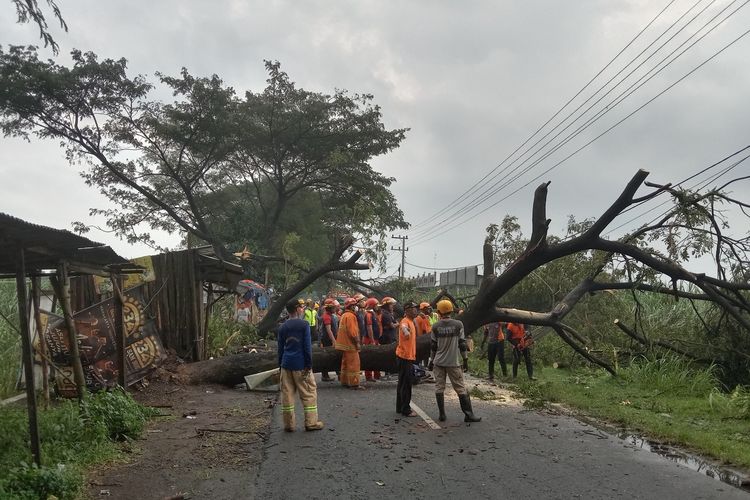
231,370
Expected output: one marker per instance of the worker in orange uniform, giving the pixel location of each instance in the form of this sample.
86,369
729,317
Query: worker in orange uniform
424,327
521,341
372,325
496,348
406,354
328,332
347,341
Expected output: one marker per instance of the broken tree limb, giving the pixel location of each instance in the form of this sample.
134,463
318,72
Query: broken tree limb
661,343
231,370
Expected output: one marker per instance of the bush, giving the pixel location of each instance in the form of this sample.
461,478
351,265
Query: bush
117,413
30,482
72,438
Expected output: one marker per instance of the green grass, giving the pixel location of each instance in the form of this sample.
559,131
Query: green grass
669,400
72,437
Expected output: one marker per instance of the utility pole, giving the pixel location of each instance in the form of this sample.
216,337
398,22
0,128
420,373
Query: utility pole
403,251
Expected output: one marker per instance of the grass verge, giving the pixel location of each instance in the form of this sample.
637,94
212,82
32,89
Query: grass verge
668,400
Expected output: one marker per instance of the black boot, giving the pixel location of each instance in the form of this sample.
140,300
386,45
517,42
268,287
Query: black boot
440,398
466,408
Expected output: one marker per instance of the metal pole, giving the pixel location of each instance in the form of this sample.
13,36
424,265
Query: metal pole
28,357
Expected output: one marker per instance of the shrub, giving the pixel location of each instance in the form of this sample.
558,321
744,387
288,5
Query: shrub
118,413
31,482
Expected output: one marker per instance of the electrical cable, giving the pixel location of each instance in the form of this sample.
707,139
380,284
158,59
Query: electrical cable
423,239
465,193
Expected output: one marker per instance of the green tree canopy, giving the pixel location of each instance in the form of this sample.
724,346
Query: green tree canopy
210,162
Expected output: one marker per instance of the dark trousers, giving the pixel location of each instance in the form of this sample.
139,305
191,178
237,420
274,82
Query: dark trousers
493,350
517,353
403,389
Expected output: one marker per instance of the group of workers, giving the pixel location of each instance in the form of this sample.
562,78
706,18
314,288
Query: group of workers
495,335
368,321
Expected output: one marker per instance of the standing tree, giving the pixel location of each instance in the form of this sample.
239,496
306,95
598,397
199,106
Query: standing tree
210,158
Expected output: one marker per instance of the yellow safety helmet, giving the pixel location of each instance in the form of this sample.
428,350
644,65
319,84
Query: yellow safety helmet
445,306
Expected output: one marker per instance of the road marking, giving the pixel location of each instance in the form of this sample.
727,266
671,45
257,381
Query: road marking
424,416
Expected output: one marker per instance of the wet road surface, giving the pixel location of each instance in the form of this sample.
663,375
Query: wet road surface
368,451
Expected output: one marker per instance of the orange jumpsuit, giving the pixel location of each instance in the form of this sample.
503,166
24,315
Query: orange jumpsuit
347,341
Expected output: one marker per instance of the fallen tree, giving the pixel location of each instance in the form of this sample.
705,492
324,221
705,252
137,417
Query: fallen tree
231,370
726,292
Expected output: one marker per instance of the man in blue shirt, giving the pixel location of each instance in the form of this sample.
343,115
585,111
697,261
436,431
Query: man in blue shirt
295,367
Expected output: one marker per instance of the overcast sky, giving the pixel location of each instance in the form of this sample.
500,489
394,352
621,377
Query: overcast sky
472,80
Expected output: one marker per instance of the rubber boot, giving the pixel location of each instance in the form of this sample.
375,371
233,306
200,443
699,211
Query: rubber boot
440,398
288,420
311,420
466,408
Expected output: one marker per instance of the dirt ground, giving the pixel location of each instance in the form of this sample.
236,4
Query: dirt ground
207,443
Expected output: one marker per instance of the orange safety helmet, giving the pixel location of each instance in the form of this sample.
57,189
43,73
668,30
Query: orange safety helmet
349,302
424,305
388,300
336,303
371,303
359,296
328,303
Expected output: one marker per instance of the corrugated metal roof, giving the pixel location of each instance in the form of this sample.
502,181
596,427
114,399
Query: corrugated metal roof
45,247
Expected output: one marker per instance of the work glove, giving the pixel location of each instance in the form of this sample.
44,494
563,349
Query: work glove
465,365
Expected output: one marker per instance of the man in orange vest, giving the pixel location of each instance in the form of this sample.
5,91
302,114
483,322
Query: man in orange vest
521,341
347,341
496,347
424,327
406,354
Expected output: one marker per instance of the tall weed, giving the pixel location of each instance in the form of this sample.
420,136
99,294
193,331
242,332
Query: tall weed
671,374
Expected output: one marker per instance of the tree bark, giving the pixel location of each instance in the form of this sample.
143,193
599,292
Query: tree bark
231,370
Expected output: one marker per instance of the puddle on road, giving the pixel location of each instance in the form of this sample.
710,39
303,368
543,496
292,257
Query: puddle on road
723,474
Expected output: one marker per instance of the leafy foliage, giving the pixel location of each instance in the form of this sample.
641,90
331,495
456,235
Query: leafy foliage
29,11
72,437
224,168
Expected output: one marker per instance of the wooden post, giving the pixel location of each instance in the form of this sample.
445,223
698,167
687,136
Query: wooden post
36,292
117,300
28,357
62,289
207,318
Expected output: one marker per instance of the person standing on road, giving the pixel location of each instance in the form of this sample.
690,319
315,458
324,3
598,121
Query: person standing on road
310,315
448,345
328,332
521,342
495,347
347,341
406,354
372,324
295,369
388,322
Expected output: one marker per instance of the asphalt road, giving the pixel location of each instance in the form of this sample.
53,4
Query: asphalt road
368,451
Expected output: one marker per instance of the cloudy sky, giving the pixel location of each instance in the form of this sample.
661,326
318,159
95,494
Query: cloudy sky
472,80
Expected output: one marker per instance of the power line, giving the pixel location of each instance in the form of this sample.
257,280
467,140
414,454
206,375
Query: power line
423,233
471,189
424,237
